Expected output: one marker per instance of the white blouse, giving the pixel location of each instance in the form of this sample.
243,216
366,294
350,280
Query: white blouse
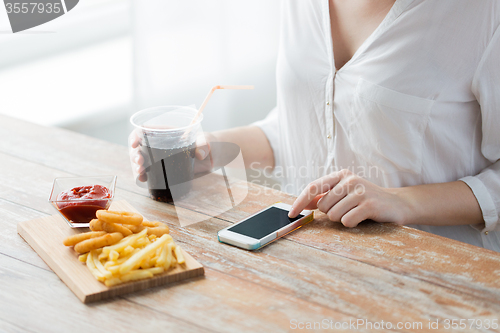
418,103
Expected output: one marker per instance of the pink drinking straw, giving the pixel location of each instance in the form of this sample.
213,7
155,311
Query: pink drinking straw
214,88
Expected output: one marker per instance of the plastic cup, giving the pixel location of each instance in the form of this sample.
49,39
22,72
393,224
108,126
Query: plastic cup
168,143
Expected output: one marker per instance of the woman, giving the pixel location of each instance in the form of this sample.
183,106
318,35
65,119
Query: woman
392,109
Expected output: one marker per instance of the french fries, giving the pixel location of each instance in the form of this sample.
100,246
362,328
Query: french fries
134,258
120,246
83,257
126,252
179,256
92,268
137,258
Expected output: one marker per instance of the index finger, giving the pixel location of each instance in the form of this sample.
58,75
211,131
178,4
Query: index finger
315,188
134,140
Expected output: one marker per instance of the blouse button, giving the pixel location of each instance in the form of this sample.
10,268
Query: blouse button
486,232
327,103
329,136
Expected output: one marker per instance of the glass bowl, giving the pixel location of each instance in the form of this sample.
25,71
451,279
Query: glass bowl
79,212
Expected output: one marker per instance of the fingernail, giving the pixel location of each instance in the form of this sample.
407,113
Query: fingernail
136,159
202,154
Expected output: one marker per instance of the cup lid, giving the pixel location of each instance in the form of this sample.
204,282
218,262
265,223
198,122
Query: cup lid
165,119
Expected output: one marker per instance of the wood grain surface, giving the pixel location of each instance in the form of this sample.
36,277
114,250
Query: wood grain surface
320,272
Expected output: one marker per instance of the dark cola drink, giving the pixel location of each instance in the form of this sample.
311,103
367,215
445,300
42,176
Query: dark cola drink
167,135
171,171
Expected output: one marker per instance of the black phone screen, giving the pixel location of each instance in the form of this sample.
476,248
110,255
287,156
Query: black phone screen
264,223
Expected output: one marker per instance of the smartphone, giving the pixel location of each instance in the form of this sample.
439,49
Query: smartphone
264,227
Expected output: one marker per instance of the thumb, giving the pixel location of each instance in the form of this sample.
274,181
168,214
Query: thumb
202,148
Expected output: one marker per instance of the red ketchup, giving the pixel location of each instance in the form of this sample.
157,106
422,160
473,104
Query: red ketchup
77,204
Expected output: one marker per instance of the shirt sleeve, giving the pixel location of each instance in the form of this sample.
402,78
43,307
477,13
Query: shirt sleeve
270,127
485,86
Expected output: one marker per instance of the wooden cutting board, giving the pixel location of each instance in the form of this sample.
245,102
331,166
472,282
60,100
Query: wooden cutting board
45,235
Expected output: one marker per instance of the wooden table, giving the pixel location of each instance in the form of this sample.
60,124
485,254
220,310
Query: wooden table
323,273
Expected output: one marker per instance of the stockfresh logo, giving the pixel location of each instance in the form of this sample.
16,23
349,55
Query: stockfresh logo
26,15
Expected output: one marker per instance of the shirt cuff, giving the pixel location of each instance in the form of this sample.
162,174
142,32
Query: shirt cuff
485,201
270,127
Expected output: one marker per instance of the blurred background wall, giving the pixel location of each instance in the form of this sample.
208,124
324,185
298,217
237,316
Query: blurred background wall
75,71
90,69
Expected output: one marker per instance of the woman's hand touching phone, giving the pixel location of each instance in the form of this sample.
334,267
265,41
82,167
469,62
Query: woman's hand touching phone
349,199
